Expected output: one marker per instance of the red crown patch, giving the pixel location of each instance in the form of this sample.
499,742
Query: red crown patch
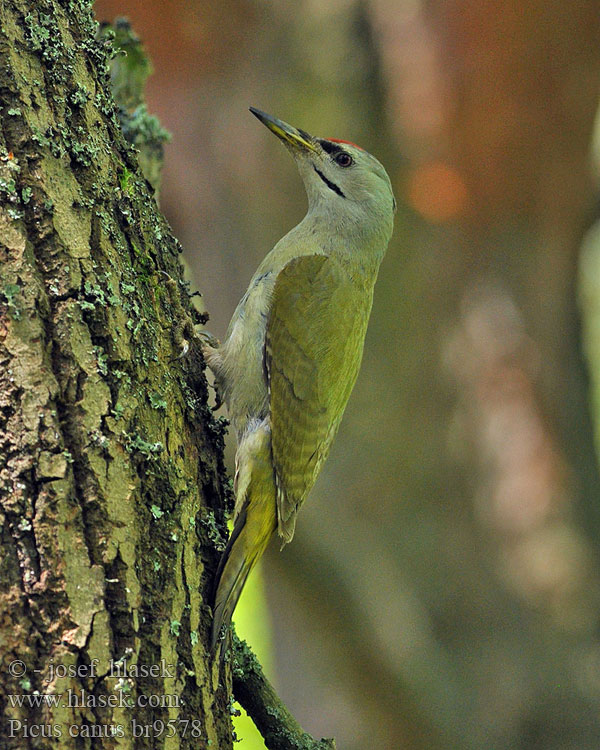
349,143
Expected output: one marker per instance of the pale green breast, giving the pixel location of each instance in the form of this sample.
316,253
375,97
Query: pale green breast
243,378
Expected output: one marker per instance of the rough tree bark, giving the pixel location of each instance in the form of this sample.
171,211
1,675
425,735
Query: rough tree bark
111,477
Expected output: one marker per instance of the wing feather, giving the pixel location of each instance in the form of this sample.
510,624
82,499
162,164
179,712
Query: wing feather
313,349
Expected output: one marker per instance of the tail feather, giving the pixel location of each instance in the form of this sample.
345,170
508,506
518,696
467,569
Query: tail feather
255,522
249,539
229,582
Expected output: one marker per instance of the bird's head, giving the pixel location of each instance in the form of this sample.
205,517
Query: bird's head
339,176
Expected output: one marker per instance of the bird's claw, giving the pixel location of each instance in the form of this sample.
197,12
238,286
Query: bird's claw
218,398
208,340
183,330
209,344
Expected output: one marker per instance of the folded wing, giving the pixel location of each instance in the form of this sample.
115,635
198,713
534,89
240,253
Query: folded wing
313,350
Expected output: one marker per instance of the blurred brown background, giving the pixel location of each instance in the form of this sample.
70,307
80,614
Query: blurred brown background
442,589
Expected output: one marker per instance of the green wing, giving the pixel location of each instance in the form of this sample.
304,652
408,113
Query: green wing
313,349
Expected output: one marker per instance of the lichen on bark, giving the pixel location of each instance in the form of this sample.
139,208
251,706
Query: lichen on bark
111,475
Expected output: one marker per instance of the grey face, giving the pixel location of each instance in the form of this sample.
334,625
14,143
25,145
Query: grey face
336,172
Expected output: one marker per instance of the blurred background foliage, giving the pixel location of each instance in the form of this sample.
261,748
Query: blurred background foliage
443,587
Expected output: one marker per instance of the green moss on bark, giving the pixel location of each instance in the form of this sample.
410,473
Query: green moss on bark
99,421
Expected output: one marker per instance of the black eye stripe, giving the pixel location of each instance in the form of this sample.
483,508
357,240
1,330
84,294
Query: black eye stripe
331,148
330,185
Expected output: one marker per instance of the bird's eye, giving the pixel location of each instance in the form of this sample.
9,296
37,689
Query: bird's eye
343,159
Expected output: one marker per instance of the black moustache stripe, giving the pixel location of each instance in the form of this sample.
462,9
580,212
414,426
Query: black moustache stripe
330,185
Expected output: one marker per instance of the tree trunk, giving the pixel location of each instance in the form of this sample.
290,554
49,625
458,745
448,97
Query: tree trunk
111,476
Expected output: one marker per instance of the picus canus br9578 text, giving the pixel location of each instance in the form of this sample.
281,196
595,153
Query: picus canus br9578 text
294,346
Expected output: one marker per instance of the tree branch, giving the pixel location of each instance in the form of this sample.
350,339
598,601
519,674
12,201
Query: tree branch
254,692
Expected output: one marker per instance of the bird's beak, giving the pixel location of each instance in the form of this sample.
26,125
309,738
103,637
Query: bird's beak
292,136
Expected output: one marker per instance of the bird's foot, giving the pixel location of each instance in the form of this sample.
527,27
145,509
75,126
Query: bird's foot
218,398
183,330
207,340
210,349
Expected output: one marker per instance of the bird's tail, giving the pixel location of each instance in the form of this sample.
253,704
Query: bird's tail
253,528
